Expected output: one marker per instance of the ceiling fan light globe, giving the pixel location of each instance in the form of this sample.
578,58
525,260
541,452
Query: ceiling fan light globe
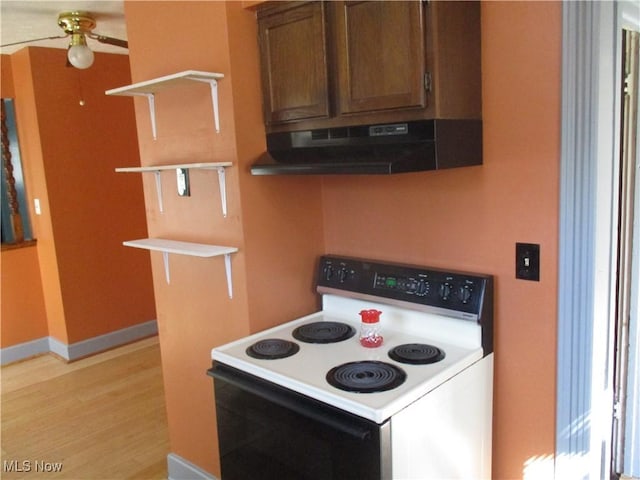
80,56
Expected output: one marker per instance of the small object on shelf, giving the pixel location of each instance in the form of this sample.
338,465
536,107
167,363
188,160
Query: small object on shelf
219,166
186,248
150,87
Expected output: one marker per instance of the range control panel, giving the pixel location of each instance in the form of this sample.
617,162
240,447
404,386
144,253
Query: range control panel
459,294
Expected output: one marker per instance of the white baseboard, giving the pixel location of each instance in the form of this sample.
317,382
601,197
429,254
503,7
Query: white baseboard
180,469
24,350
78,349
59,348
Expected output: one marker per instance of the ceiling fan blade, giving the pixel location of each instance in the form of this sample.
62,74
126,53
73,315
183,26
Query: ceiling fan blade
33,40
109,40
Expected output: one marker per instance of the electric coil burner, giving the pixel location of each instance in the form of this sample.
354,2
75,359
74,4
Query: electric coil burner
272,349
366,377
324,332
305,399
416,354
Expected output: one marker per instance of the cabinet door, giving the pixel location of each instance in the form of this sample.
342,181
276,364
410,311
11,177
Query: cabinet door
293,63
380,52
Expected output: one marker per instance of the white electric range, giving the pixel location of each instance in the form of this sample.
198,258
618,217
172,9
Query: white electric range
423,398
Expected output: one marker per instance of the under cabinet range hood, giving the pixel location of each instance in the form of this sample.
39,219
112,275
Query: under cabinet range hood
373,149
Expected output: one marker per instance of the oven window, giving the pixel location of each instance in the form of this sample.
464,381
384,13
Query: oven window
268,432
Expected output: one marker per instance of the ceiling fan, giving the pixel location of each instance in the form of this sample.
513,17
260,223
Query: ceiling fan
78,25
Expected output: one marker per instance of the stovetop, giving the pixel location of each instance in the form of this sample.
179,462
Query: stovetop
459,332
305,371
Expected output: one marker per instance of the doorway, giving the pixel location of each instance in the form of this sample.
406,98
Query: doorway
594,267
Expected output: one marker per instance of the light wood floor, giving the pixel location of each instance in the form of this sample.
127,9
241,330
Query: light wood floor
102,417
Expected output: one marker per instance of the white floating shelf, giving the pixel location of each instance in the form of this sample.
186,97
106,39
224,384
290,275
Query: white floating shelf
186,248
153,168
149,88
219,166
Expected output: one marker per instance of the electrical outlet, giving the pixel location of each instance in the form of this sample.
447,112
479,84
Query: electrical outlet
182,176
528,261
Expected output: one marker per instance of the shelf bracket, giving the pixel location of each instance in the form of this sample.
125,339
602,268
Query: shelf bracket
152,110
223,190
156,174
152,113
186,248
165,258
227,268
150,87
214,99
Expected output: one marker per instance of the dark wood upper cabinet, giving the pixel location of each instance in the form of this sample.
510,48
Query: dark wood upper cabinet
338,63
380,55
294,62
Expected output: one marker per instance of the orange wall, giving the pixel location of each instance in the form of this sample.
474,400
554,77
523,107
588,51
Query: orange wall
468,218
35,180
522,146
276,225
471,218
6,77
282,219
22,313
92,284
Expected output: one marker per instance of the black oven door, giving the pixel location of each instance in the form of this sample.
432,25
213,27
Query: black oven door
269,432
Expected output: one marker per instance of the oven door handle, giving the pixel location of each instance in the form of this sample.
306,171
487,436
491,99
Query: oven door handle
300,404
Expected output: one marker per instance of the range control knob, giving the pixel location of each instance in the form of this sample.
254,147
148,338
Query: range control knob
445,291
421,288
328,272
343,273
465,294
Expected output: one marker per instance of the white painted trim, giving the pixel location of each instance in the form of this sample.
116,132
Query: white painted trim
80,349
586,241
111,339
588,238
59,348
180,469
629,18
24,350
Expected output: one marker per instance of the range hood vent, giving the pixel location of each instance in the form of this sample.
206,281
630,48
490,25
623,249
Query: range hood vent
373,149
